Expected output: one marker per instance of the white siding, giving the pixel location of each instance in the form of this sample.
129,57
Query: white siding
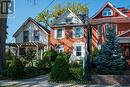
43,38
75,19
19,38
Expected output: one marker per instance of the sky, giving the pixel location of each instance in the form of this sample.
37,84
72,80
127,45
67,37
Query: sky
27,8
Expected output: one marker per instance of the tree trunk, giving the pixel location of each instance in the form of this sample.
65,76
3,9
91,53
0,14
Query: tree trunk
3,32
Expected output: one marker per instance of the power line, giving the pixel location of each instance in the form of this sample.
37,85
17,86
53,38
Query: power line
48,5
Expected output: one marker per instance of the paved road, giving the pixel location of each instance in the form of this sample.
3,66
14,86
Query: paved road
42,81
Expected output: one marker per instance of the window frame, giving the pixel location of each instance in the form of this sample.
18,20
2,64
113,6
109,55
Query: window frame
68,20
25,38
106,13
78,51
56,33
59,49
74,32
35,35
82,44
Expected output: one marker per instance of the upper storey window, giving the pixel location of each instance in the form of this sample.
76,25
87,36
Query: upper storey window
107,12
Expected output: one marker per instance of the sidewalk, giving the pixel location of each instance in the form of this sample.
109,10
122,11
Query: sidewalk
42,81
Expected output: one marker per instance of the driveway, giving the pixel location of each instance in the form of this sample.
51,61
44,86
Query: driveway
42,81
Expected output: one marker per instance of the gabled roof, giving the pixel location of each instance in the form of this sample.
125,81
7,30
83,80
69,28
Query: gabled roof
114,8
63,15
124,33
27,22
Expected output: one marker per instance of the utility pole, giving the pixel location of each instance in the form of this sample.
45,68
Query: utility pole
3,31
88,58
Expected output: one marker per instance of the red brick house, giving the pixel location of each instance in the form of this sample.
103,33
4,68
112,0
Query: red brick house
68,34
110,16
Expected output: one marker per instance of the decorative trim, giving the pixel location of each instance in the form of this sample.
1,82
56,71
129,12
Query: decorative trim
108,3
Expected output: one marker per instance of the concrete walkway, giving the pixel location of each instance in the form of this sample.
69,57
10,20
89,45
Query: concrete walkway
42,81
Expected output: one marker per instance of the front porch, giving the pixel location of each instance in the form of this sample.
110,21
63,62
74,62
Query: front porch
21,49
125,48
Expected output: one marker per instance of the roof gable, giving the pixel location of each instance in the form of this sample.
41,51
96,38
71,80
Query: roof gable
26,23
68,14
108,4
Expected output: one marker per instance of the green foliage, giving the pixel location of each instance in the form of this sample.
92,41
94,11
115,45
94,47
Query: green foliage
110,59
95,52
59,9
44,17
60,70
29,56
51,55
15,69
67,56
43,64
75,64
77,8
76,73
30,72
9,54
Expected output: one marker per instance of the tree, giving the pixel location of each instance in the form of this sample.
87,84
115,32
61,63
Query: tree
110,59
60,70
59,9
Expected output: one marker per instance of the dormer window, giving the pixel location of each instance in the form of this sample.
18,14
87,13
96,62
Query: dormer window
68,20
107,12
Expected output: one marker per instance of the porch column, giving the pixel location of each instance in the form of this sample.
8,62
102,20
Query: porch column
37,51
17,51
41,53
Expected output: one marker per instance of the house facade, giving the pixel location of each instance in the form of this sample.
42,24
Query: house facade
31,35
68,34
118,19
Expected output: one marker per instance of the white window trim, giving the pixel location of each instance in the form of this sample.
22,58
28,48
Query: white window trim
59,49
63,33
82,49
107,12
74,32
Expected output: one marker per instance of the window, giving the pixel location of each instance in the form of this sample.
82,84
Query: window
36,35
107,12
59,33
107,26
25,36
78,50
110,26
68,20
99,30
78,32
59,48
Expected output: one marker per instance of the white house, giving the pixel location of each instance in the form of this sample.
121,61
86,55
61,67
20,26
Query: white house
31,35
